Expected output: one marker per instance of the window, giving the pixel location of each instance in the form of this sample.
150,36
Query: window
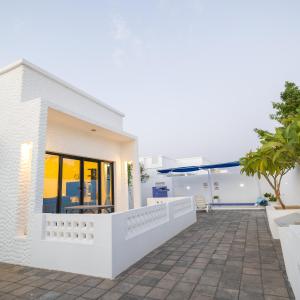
50,196
71,181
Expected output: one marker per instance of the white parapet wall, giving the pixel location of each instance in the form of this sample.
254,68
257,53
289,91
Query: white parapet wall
290,243
107,244
273,214
160,200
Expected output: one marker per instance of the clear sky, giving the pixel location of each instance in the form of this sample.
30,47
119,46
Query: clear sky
193,77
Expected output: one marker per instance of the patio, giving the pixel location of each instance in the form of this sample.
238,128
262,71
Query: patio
225,255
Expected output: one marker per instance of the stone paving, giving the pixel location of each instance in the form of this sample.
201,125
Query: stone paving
225,255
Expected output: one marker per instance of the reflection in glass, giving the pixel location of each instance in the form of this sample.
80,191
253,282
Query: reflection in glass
50,183
90,183
70,193
106,183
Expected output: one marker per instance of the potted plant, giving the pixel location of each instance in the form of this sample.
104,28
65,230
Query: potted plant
216,198
270,197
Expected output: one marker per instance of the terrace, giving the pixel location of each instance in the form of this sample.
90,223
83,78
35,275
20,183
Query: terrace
224,255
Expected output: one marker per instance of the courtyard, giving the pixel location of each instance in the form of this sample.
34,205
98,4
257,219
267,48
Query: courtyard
225,255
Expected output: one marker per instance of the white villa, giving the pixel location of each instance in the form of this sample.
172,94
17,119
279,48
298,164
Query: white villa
61,148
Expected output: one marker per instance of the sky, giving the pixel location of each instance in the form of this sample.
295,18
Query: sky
193,77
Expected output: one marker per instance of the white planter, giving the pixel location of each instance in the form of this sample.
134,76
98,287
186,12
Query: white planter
290,243
272,214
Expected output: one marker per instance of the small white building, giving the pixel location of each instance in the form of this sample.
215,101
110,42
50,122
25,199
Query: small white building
60,147
154,163
224,186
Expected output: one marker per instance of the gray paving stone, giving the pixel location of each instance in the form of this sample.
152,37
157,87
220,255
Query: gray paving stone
78,290
93,293
34,294
227,294
158,293
50,295
8,297
20,292
111,296
149,281
52,284
140,290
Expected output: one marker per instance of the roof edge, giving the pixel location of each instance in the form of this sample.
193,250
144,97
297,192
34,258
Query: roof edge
60,81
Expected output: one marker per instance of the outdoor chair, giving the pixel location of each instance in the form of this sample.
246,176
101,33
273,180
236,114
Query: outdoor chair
201,203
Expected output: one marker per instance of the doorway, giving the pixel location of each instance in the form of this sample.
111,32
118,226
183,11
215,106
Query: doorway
71,180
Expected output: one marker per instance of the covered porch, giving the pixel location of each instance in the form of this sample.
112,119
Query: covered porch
86,164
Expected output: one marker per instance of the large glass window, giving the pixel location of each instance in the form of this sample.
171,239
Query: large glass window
91,183
106,183
50,196
70,188
71,181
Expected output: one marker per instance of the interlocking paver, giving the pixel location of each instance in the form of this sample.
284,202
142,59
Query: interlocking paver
140,290
93,293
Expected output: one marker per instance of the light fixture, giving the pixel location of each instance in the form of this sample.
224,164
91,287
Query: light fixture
26,149
188,187
242,184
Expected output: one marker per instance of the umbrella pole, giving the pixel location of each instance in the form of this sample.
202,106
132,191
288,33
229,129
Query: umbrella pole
210,186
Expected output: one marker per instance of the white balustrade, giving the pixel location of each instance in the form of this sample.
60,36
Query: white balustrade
69,228
143,219
182,207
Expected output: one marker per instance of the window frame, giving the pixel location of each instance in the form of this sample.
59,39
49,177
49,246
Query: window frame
82,159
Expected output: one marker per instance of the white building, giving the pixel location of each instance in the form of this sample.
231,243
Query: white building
61,147
227,185
154,163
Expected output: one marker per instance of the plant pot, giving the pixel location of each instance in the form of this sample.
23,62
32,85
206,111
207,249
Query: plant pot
274,212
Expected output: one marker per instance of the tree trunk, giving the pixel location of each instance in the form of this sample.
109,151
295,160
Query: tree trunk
278,198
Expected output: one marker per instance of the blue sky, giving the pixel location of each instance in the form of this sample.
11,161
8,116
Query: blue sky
193,77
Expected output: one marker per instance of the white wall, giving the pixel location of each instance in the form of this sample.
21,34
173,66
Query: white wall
290,243
36,85
20,123
107,244
230,189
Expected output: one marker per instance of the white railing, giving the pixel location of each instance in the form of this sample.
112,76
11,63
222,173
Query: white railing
146,218
72,228
182,206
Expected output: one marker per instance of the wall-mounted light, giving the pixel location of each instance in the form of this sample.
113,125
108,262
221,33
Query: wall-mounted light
188,187
26,150
24,192
242,184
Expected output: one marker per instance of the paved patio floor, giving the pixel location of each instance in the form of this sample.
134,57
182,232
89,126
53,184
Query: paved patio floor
225,255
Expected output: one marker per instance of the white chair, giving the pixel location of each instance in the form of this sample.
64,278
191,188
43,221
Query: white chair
201,203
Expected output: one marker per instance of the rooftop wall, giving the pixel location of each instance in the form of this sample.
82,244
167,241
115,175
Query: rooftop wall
62,97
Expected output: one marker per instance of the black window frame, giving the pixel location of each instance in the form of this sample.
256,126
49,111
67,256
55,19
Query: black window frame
82,159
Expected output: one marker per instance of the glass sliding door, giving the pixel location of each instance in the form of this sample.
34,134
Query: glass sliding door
91,182
50,195
106,183
70,183
71,180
